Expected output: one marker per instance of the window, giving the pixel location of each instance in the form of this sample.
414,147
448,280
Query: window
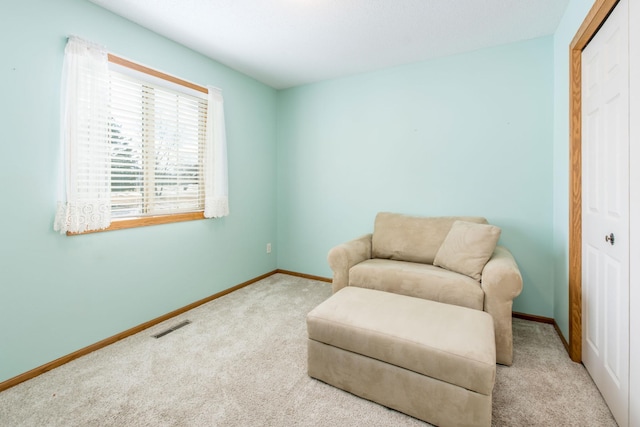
139,147
157,135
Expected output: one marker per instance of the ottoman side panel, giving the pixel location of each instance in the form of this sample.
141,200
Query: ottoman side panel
420,396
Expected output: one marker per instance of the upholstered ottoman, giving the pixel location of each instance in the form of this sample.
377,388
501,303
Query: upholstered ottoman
433,361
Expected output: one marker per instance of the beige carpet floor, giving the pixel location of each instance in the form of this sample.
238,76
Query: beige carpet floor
242,362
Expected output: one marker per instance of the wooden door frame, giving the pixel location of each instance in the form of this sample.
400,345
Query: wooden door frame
594,20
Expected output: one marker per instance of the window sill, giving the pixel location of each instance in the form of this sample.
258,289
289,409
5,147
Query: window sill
121,224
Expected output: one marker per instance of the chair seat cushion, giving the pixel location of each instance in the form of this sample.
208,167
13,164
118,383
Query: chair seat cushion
418,280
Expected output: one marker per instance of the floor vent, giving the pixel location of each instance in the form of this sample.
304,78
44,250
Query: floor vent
168,331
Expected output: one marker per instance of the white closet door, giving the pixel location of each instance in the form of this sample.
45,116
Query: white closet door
634,191
605,210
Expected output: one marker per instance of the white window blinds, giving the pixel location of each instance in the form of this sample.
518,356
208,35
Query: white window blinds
158,136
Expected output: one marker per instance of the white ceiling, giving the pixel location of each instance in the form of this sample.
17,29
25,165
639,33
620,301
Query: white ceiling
286,43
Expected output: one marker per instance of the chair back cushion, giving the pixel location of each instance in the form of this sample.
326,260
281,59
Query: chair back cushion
411,238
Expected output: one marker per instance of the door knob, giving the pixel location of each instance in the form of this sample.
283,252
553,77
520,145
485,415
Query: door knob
610,239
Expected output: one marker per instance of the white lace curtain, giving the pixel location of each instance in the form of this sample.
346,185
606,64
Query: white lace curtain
85,194
84,202
216,203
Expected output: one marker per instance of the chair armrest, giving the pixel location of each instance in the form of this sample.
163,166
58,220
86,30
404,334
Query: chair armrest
501,278
502,283
342,257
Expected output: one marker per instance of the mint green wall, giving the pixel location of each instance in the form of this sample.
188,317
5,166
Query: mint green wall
59,294
482,133
572,19
470,134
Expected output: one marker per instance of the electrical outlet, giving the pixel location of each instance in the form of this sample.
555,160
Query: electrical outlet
268,248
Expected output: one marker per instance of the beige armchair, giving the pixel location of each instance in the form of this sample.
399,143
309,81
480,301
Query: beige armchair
453,260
